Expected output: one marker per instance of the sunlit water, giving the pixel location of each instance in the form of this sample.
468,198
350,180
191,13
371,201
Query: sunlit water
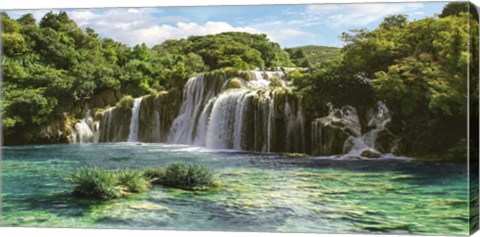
258,192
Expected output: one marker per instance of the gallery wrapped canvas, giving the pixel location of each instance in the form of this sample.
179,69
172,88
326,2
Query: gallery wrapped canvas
320,118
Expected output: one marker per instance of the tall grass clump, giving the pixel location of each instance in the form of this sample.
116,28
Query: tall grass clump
104,184
182,176
133,181
95,183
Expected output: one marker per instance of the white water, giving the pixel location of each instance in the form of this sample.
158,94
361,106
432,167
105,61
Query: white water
216,119
195,96
214,116
377,117
133,134
347,119
86,131
158,127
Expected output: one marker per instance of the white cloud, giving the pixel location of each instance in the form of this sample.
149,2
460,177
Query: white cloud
348,15
322,8
159,33
135,26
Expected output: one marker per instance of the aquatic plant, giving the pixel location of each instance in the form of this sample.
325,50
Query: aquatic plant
153,174
183,176
95,183
133,181
103,184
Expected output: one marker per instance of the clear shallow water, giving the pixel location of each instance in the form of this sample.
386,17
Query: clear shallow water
259,192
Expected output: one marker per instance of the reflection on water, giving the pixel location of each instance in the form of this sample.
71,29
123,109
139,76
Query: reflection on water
259,192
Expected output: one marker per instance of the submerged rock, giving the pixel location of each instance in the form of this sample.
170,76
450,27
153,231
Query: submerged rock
296,155
370,153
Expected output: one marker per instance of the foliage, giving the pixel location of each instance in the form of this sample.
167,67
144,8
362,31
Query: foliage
418,68
312,55
125,103
95,183
182,176
104,184
133,181
54,67
230,49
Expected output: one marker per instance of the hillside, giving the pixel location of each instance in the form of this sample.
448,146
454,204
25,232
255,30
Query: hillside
312,55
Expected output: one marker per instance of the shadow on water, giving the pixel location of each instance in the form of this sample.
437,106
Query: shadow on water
62,204
237,218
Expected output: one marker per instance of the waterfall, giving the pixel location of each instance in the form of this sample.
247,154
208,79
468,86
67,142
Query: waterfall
158,127
214,116
344,126
377,117
133,134
86,131
246,110
195,95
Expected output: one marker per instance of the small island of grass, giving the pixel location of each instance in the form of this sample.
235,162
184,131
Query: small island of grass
94,182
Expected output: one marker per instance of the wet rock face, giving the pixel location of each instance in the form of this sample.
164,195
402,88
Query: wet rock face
105,98
387,142
344,131
157,113
328,137
114,124
56,131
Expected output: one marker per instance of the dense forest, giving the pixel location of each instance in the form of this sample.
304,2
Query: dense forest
311,56
52,69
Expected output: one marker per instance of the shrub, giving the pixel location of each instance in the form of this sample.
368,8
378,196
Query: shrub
183,176
95,183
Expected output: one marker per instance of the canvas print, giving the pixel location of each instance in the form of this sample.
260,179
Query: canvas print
322,118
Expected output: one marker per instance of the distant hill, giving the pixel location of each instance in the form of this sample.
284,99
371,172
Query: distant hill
312,55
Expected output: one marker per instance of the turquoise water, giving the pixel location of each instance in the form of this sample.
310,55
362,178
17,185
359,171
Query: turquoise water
258,192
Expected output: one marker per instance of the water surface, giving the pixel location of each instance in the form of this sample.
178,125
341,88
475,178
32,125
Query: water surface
259,192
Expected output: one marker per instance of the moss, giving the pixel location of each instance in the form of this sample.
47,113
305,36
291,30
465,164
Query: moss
98,112
125,103
246,75
234,83
276,82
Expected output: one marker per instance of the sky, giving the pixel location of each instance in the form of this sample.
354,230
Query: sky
289,25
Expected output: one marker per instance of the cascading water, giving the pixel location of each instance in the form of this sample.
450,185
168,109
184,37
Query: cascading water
158,127
133,134
196,94
86,131
344,125
253,111
377,117
214,116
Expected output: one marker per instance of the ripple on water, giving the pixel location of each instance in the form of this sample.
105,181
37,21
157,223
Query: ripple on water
258,192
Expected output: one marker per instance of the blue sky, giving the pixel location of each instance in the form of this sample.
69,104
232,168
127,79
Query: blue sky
289,25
